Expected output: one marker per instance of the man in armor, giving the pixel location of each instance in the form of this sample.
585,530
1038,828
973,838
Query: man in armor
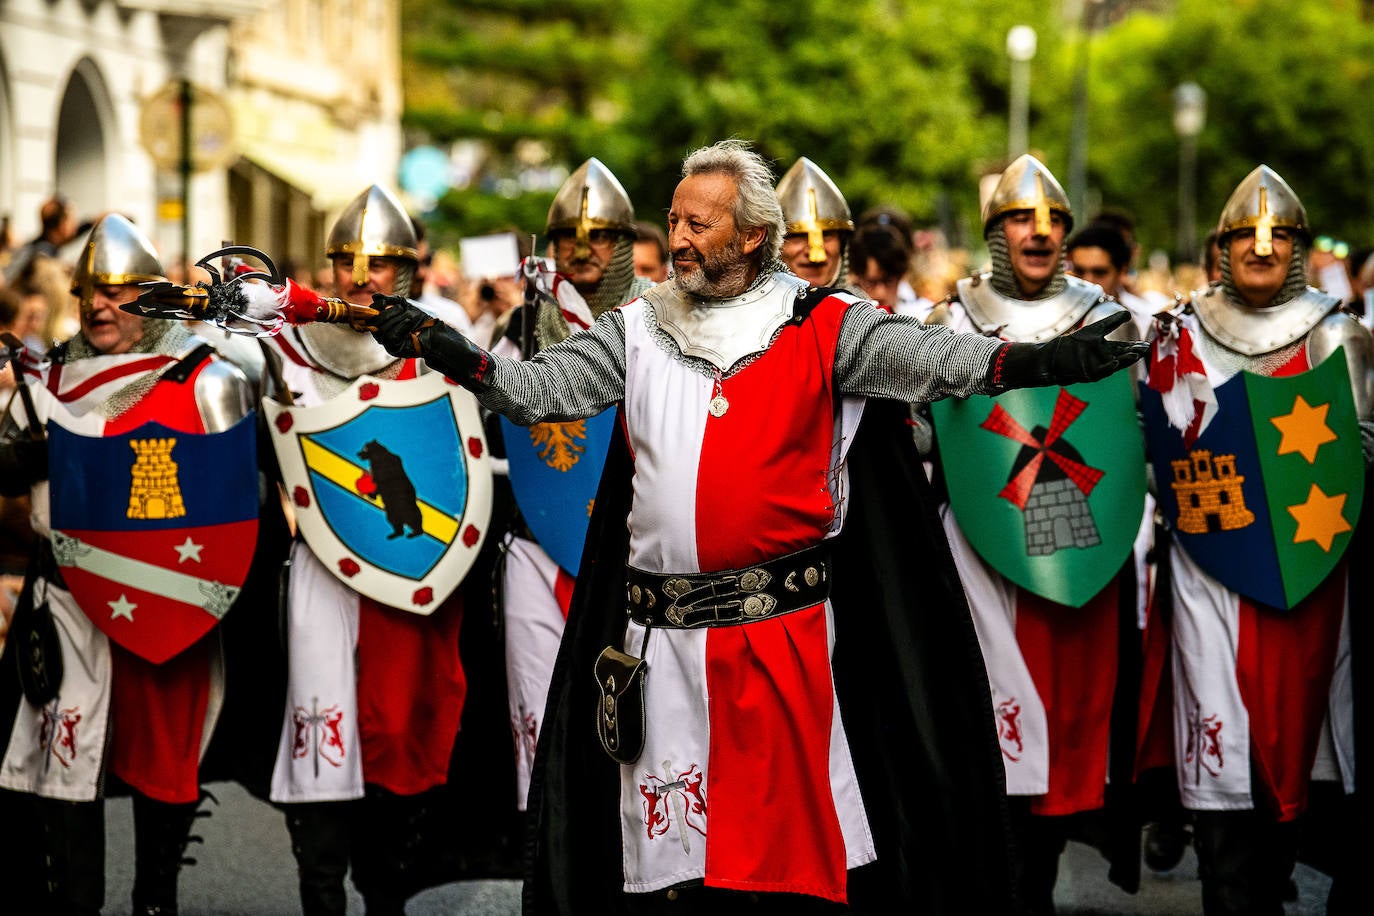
372,803
1055,701
816,244
115,718
741,390
591,230
1263,723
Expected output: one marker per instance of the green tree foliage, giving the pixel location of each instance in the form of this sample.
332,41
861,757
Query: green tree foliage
902,103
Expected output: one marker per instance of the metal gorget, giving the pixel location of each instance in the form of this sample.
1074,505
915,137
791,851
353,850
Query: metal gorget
1254,331
725,331
1026,320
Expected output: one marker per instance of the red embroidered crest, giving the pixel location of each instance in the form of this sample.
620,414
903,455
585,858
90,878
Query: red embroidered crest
326,722
683,799
57,733
1009,729
1204,749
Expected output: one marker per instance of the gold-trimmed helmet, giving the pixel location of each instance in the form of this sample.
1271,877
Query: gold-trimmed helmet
591,198
1263,201
116,253
1028,185
812,204
374,225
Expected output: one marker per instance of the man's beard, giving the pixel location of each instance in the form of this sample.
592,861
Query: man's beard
721,275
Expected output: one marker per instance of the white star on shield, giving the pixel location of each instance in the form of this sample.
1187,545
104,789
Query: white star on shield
188,551
122,608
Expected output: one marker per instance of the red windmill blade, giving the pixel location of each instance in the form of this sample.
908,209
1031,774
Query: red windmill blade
1067,409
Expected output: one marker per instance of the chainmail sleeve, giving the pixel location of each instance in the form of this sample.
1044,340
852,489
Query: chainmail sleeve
575,378
896,356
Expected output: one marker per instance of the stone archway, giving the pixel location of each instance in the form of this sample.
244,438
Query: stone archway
82,165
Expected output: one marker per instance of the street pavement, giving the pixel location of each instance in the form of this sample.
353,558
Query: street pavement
246,869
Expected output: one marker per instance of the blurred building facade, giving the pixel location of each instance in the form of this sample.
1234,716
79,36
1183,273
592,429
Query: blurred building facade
313,85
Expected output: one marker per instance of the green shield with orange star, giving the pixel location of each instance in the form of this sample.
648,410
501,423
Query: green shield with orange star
1047,484
1267,498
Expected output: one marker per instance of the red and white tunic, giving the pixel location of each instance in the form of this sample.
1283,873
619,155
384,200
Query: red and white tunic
743,719
1258,691
147,724
374,694
1052,670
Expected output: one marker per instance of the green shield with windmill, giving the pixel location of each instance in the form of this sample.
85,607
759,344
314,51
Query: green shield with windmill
1047,484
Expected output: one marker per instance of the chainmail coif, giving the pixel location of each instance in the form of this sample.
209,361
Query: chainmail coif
1004,279
171,338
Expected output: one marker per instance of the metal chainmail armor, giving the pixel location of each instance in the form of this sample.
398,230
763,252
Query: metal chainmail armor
617,286
1294,285
167,337
871,349
1004,281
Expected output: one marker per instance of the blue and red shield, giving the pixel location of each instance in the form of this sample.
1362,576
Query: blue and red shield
1267,498
555,469
154,529
391,485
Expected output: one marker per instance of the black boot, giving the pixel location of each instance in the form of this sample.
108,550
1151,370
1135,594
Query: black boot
161,833
73,856
320,839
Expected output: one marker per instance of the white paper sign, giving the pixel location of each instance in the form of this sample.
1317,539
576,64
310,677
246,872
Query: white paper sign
489,256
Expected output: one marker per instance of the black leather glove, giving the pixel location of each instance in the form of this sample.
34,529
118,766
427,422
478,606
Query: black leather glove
1086,355
23,463
406,332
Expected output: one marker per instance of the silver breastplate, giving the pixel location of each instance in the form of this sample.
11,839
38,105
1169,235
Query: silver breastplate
1026,320
1254,331
725,331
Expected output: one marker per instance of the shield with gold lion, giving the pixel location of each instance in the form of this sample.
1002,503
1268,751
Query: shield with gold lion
554,472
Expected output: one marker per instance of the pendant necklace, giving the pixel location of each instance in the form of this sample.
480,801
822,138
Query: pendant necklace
718,403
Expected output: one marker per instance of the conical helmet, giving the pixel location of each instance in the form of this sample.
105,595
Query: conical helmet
1265,202
811,203
591,198
1028,185
116,253
373,225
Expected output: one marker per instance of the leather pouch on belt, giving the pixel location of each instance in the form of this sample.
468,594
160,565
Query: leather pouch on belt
620,718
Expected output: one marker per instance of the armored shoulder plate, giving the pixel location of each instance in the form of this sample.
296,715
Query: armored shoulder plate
1343,330
222,394
725,331
1027,320
1251,331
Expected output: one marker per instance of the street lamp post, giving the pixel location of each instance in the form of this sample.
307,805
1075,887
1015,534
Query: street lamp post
1020,49
1190,114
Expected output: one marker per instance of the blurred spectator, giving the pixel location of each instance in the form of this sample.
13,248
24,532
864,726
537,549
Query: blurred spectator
1362,263
1328,267
424,293
59,227
16,535
1211,257
651,252
910,301
48,314
6,243
879,258
1099,254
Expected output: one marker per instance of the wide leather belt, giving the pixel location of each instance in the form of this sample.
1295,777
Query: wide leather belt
683,601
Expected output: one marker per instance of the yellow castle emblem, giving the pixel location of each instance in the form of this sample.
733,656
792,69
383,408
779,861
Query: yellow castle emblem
153,488
1209,493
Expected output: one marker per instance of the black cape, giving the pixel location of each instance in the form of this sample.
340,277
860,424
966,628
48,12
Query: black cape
909,675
